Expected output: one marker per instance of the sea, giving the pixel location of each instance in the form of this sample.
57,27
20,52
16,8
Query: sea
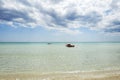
44,57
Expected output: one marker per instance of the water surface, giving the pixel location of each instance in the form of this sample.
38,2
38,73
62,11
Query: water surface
56,57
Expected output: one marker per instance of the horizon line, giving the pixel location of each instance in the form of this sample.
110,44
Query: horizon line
53,41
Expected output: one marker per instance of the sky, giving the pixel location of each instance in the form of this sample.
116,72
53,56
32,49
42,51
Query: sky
59,20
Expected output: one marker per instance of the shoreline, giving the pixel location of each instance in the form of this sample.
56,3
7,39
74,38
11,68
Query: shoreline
95,75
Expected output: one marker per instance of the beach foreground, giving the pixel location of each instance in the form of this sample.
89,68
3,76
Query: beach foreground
96,75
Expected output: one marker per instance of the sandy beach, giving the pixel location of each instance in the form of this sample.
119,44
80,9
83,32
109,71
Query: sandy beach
96,75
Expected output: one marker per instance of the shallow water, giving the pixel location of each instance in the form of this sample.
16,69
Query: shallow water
56,57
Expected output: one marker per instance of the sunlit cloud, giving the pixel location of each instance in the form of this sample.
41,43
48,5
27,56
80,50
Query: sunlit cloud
62,15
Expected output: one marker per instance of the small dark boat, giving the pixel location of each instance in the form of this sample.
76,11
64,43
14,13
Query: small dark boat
70,45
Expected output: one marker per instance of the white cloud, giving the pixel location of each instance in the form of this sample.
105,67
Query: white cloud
65,15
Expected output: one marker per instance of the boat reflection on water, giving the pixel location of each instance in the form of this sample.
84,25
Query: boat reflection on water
49,43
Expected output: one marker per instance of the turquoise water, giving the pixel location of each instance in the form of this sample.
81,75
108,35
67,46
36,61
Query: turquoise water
41,57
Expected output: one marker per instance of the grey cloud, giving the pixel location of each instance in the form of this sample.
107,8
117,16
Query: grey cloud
89,19
93,18
1,3
112,30
114,4
72,16
116,23
9,15
56,1
24,2
55,17
113,27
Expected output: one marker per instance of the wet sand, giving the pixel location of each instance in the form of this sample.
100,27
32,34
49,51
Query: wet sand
96,75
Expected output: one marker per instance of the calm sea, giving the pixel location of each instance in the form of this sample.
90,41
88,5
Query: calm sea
43,57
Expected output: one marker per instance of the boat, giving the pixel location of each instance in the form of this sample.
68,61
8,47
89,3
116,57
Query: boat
70,45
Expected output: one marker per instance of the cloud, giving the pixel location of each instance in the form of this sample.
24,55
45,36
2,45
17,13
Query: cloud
62,15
